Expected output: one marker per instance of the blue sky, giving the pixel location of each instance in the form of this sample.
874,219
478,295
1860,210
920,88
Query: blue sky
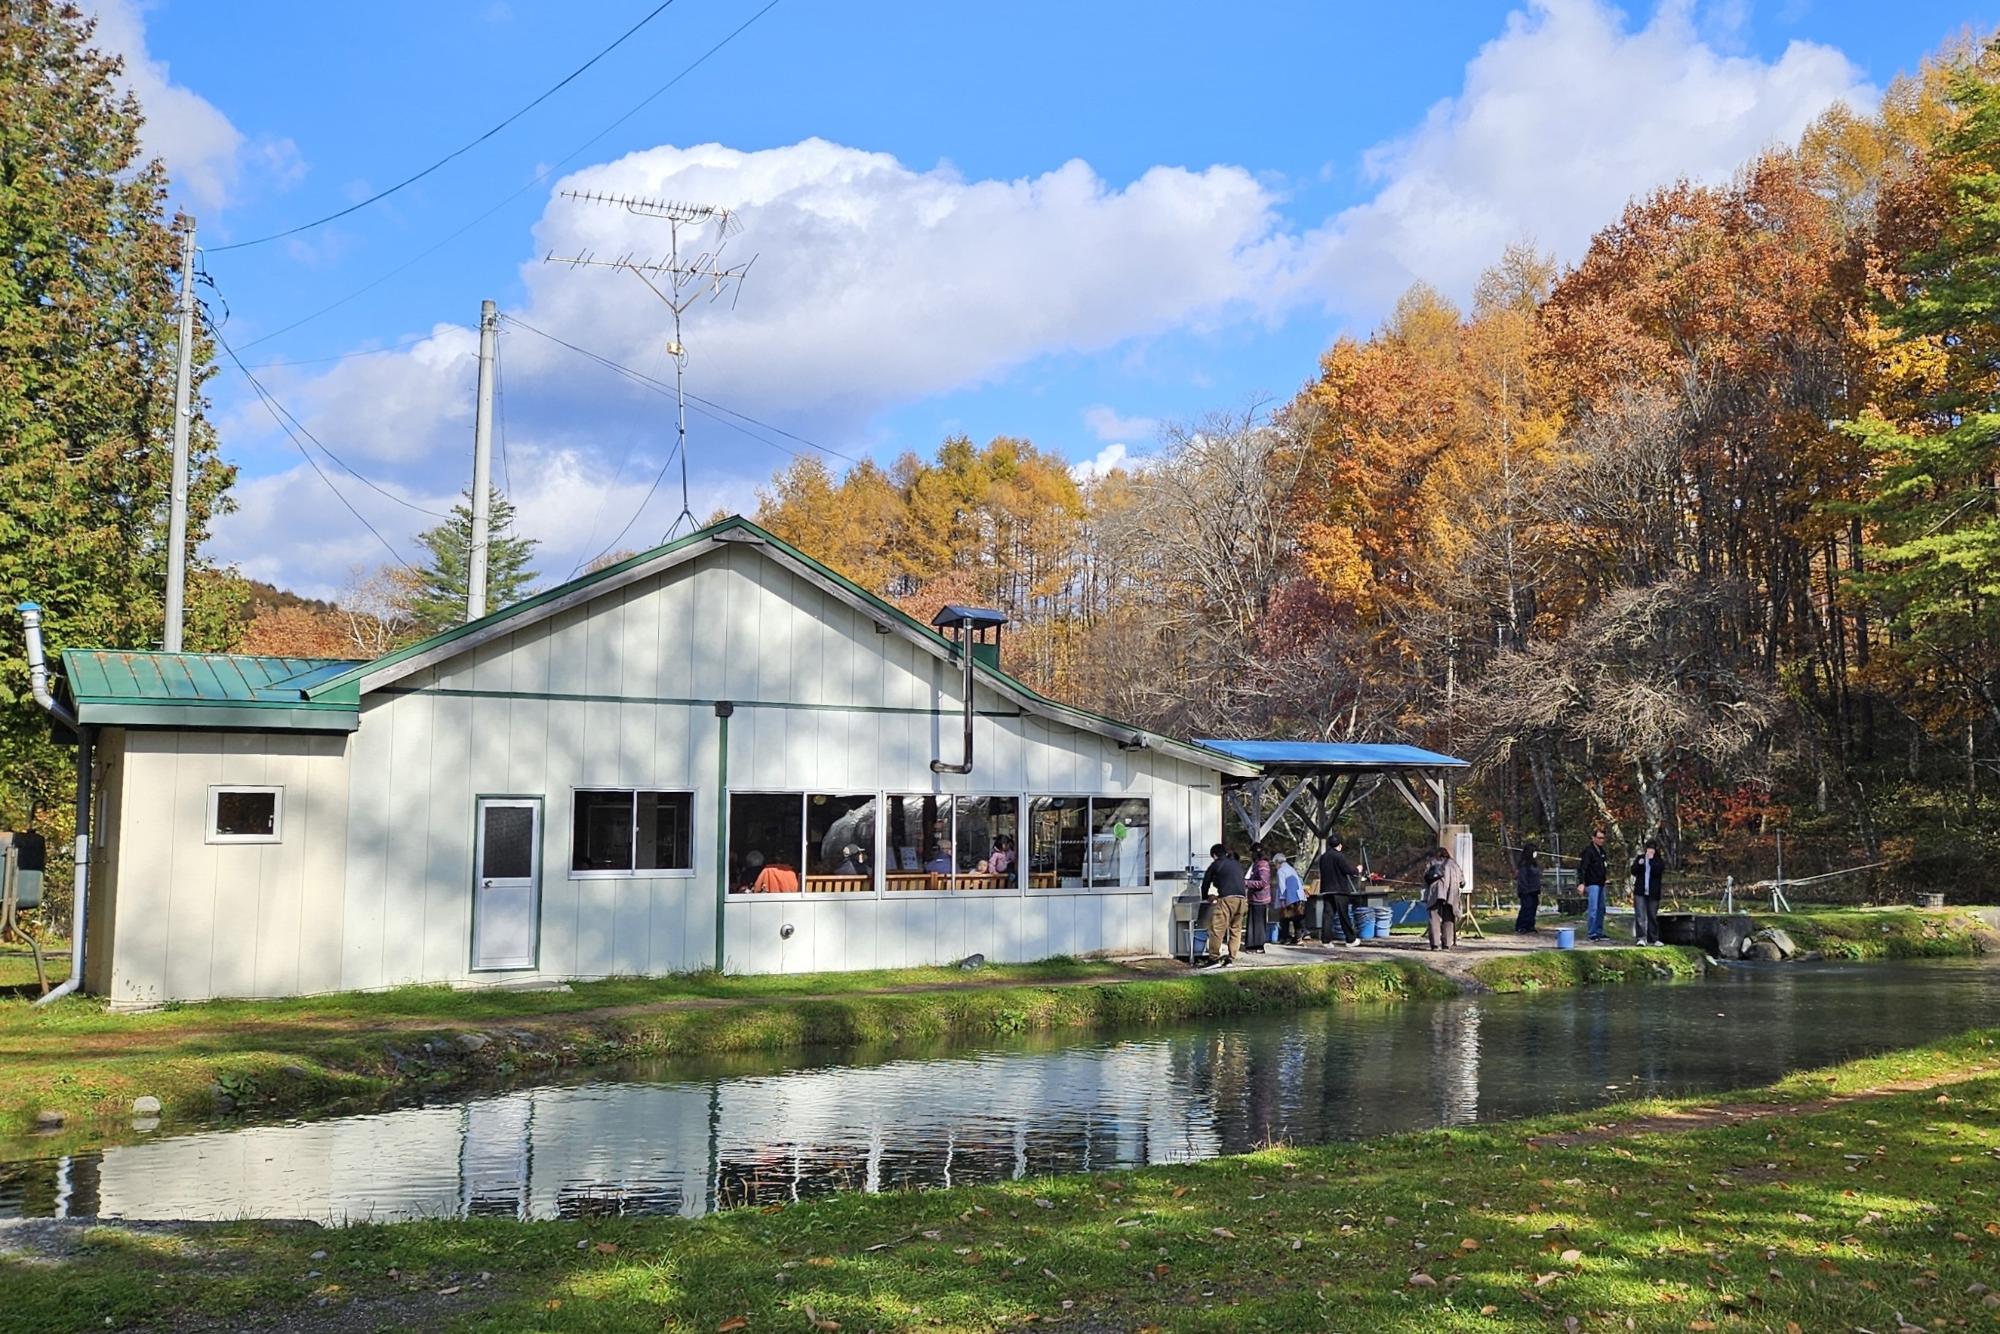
1070,222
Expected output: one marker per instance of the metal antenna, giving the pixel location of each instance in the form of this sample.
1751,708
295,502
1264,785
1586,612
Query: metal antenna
678,282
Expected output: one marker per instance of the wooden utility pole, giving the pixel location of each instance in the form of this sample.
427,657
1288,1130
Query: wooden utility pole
177,521
482,464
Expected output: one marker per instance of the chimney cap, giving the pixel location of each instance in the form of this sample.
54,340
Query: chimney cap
952,614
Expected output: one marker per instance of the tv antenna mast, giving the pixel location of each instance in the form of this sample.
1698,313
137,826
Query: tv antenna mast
678,280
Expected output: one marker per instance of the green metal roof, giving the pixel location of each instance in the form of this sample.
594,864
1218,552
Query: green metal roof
205,690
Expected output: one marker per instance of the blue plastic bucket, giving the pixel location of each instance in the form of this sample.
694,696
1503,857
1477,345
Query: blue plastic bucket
1366,926
1200,943
1565,937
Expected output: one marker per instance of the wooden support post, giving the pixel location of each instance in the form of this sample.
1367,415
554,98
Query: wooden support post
1416,803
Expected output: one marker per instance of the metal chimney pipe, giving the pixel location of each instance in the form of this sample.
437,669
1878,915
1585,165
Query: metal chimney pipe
965,656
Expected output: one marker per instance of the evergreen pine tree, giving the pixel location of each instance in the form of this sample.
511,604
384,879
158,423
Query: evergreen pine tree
1934,527
438,601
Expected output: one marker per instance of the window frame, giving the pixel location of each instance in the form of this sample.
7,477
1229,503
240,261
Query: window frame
637,872
1089,814
1020,801
880,891
277,835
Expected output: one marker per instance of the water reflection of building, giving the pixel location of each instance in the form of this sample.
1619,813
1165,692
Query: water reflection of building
680,1148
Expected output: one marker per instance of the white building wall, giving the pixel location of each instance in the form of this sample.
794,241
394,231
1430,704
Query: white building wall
194,919
372,886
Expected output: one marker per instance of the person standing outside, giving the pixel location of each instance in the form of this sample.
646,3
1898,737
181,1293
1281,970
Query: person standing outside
1592,871
1649,876
1527,888
1257,879
1291,899
1444,899
1336,888
1223,882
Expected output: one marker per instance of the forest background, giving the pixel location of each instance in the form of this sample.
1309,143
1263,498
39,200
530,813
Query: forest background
1697,539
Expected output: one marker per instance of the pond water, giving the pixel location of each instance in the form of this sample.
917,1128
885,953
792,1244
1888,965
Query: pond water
687,1138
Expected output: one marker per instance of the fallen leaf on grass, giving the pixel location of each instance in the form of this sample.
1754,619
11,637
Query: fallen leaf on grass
1571,1256
1222,1232
1469,1244
1422,1281
451,1291
734,1322
818,1322
606,1248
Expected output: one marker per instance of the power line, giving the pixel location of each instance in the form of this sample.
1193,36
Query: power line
466,147
658,477
533,181
311,462
662,387
272,403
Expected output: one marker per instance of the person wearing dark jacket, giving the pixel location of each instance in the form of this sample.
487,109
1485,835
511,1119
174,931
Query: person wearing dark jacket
1337,878
1649,876
1592,872
1527,888
1223,883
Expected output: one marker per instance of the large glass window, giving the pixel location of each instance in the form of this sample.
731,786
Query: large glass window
1121,847
918,852
840,844
766,836
986,840
623,832
1058,842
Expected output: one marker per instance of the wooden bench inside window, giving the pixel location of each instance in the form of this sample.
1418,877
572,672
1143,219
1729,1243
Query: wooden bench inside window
840,884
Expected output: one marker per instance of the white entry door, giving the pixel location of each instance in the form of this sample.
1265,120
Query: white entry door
506,883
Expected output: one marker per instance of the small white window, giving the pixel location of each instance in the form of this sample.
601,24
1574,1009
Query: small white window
246,814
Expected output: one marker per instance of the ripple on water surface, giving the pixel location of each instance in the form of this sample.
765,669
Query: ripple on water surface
682,1140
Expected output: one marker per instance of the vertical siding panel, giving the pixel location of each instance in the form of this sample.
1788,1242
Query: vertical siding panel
275,963
157,831
238,898
323,871
372,755
409,817
191,908
448,862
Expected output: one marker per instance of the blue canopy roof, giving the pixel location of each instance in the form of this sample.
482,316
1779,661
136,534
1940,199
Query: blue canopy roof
1335,755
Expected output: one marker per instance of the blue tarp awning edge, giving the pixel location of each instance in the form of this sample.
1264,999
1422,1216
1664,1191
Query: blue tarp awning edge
1336,754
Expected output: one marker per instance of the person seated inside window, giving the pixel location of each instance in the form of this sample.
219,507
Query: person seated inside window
1002,859
772,878
853,860
940,862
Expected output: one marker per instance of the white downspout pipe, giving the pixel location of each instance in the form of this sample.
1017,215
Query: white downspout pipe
38,684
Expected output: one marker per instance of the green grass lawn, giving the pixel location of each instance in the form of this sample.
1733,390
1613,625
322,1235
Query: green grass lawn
1879,1215
17,965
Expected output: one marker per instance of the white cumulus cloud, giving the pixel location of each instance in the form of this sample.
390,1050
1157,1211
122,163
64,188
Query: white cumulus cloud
1107,424
1561,119
878,284
205,153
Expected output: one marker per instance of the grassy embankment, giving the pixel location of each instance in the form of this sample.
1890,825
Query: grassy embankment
89,1064
1789,1210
